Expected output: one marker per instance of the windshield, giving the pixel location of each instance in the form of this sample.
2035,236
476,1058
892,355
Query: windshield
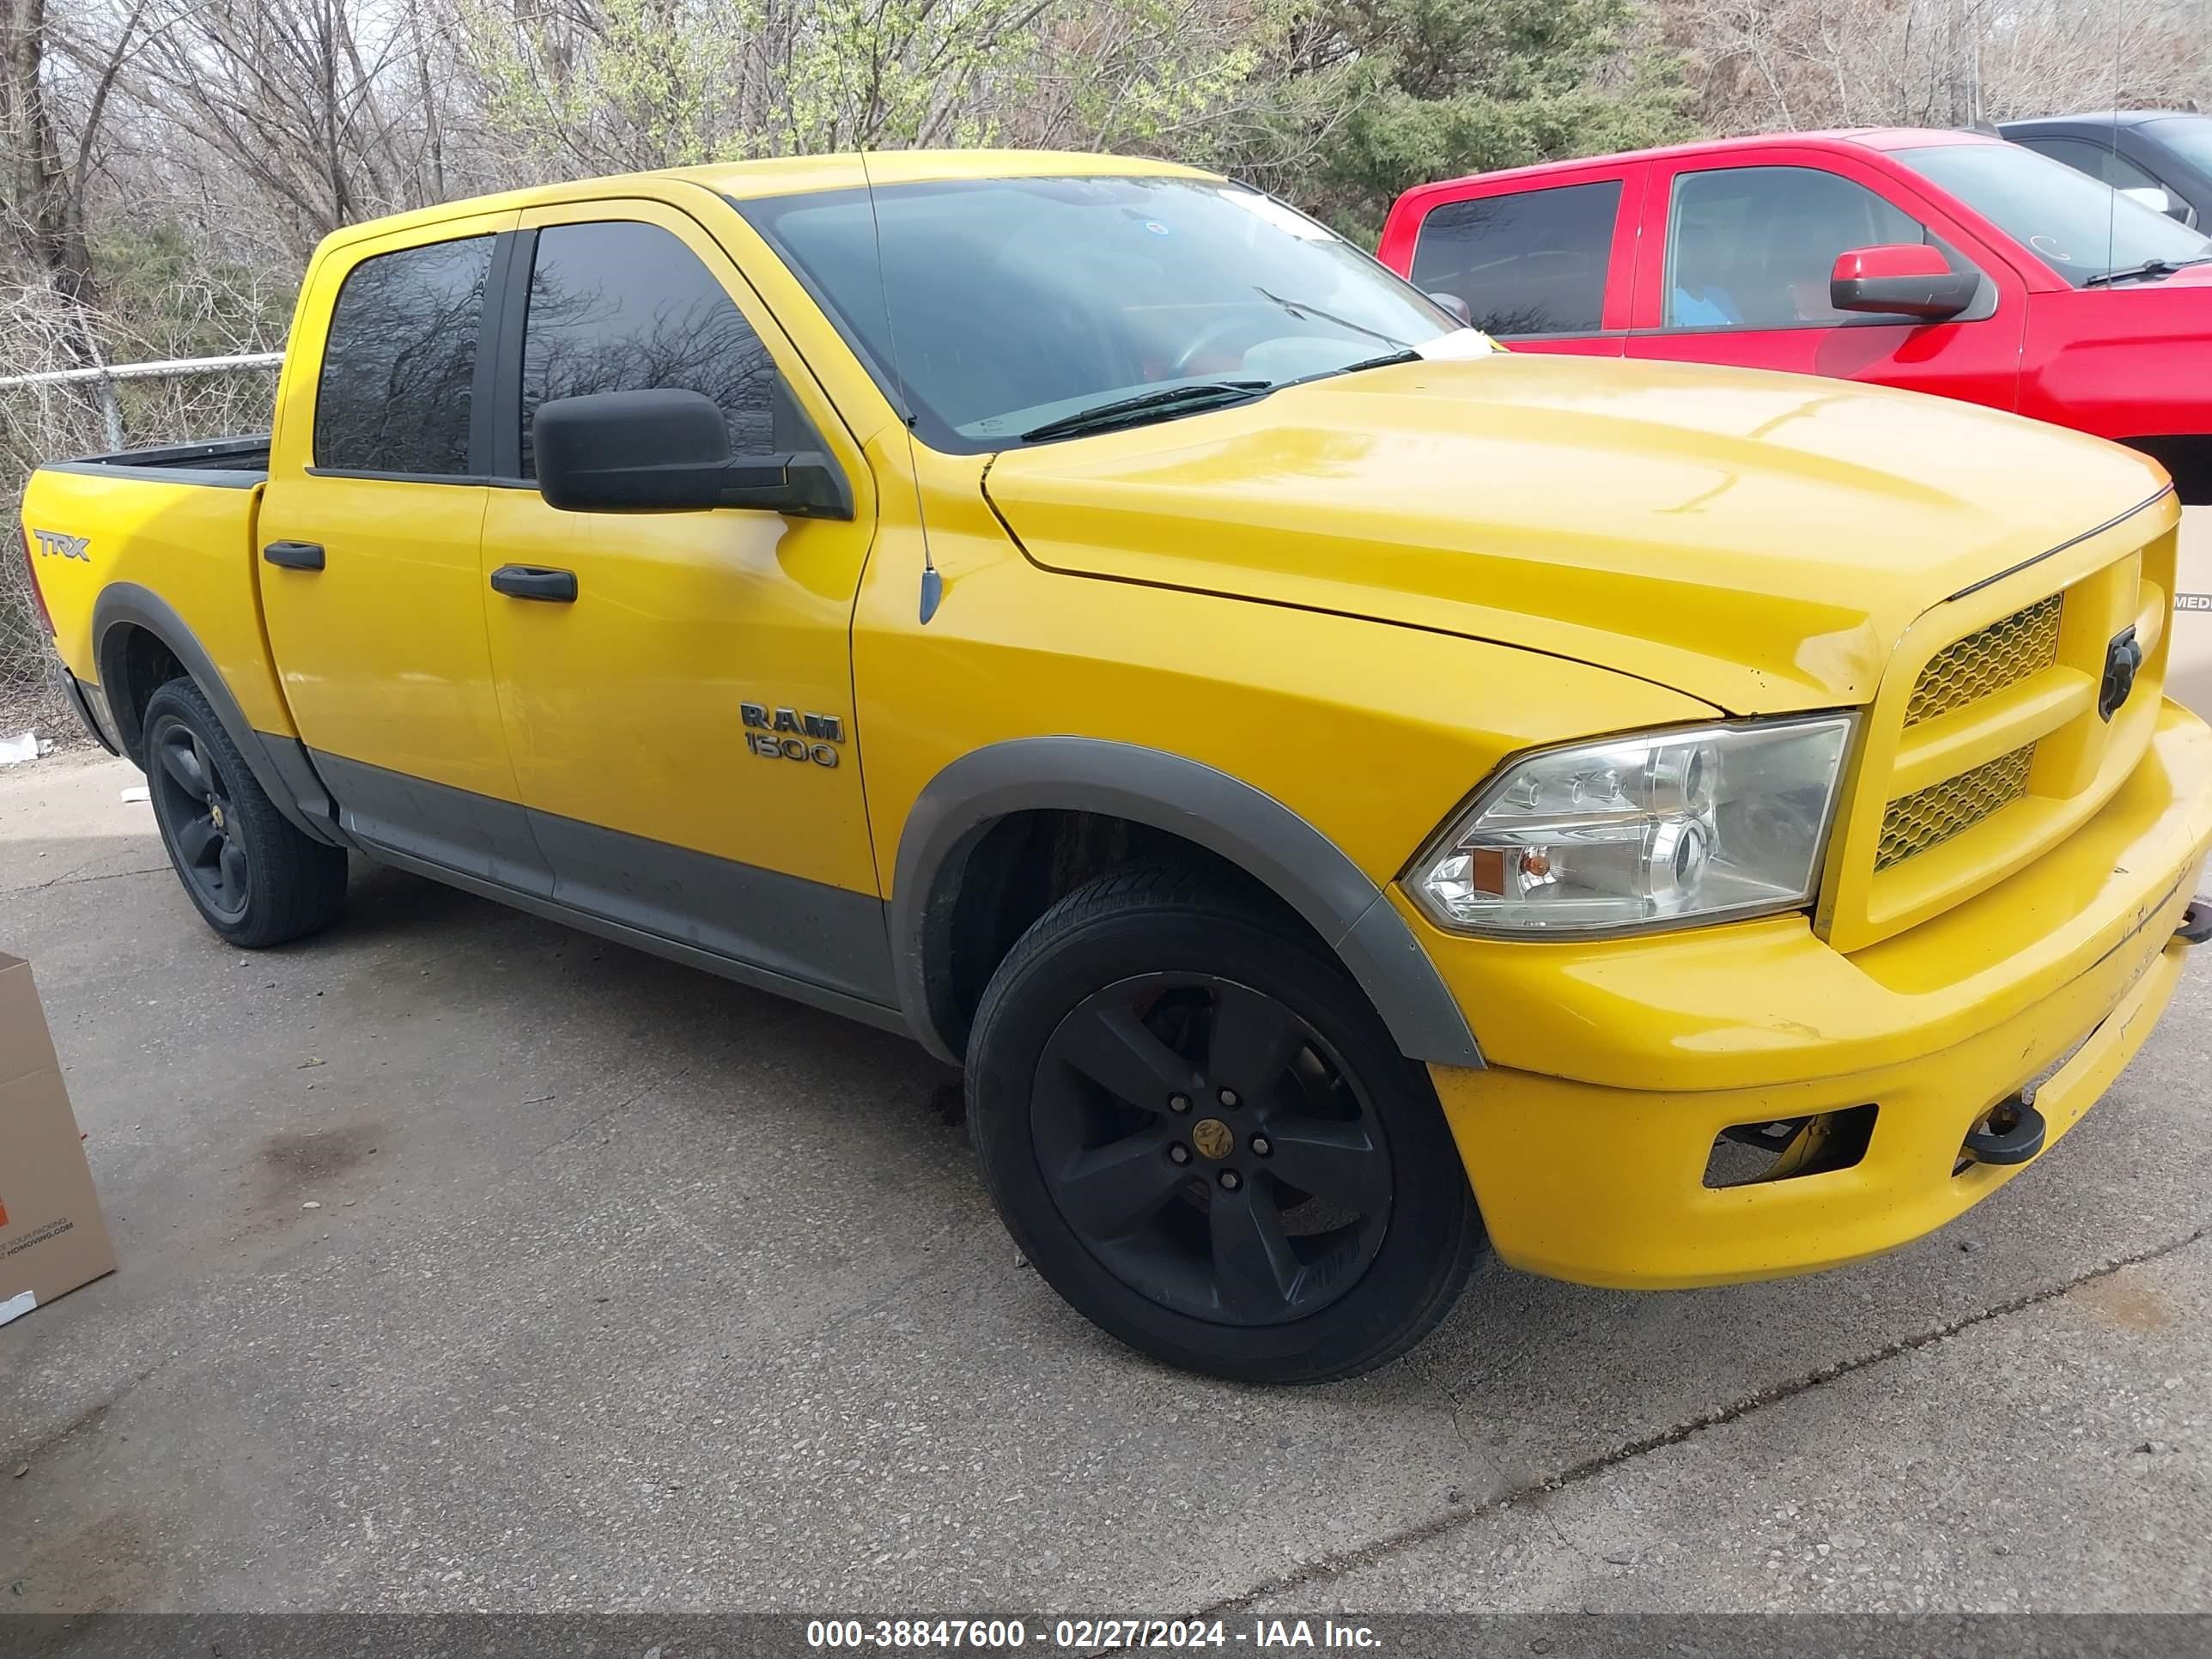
2081,228
1015,303
2189,136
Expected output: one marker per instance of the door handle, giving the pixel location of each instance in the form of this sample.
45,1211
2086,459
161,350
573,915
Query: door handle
294,555
535,581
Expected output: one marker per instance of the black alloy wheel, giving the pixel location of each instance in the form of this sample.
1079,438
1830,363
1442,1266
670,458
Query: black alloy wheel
255,876
1203,1143
1200,1131
198,808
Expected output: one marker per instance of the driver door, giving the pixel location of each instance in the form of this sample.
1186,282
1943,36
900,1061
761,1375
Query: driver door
1741,277
680,709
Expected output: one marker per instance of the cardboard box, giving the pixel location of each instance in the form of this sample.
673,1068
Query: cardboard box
52,1237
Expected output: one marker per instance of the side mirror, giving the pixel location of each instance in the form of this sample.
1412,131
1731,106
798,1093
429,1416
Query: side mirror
665,450
1906,279
1453,304
2159,199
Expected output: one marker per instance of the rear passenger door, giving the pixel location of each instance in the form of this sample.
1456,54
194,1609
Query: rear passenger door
368,532
1544,266
1740,274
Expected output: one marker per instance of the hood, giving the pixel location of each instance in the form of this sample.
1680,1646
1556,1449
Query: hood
2187,278
1758,540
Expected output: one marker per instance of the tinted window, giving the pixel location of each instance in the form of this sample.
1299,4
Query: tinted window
2080,227
627,307
1752,247
2189,136
401,359
2098,161
1532,263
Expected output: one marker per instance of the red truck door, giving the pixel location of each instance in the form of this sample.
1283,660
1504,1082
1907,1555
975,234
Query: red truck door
1738,251
1545,263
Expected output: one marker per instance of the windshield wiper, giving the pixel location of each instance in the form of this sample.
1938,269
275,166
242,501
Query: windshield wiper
2152,267
1127,411
1388,359
1300,308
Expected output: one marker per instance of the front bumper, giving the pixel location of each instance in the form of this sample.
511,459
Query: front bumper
1614,1065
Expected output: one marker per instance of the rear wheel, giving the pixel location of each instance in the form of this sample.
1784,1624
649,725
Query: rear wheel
1197,1129
253,877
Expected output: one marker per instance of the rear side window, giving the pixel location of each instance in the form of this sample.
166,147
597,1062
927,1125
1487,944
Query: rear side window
1532,263
625,307
400,361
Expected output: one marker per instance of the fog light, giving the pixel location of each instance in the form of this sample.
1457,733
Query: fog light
1783,1148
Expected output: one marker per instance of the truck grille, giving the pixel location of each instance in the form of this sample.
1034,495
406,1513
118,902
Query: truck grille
1985,746
2005,653
1928,818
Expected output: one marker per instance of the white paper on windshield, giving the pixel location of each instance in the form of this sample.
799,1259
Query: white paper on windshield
1457,346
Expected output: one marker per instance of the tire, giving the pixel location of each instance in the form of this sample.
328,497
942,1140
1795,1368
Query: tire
1158,1065
254,878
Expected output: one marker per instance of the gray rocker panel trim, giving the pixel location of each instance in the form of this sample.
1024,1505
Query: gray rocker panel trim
279,764
807,939
788,925
743,973
1186,798
473,834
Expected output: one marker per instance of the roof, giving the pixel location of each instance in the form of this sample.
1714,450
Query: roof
790,175
1877,138
2103,117
911,167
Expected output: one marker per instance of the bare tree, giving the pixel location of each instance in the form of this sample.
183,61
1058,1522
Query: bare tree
331,111
46,183
1764,65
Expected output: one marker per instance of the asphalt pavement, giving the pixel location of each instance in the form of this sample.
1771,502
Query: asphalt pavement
470,1262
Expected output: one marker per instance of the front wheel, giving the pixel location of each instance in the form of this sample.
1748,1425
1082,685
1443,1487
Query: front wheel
1203,1136
253,876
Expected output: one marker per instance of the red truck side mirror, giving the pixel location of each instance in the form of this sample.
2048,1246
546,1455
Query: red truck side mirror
1904,279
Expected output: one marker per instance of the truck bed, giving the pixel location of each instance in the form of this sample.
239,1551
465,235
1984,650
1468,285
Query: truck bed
223,462
159,541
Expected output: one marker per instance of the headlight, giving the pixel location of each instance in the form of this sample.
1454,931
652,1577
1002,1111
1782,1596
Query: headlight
1693,823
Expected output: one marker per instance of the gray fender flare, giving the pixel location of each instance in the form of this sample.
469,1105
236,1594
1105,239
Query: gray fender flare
1250,829
280,765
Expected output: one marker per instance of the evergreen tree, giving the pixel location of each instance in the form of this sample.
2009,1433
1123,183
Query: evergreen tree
1437,88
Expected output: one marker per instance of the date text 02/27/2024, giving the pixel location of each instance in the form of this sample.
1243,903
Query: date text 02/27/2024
1088,1635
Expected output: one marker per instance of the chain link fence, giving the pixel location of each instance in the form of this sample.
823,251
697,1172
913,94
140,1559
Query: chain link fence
54,414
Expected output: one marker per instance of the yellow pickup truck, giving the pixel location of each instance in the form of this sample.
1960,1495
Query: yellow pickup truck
1344,793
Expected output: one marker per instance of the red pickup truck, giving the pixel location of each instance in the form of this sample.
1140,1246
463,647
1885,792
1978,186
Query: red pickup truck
1943,262
1951,262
